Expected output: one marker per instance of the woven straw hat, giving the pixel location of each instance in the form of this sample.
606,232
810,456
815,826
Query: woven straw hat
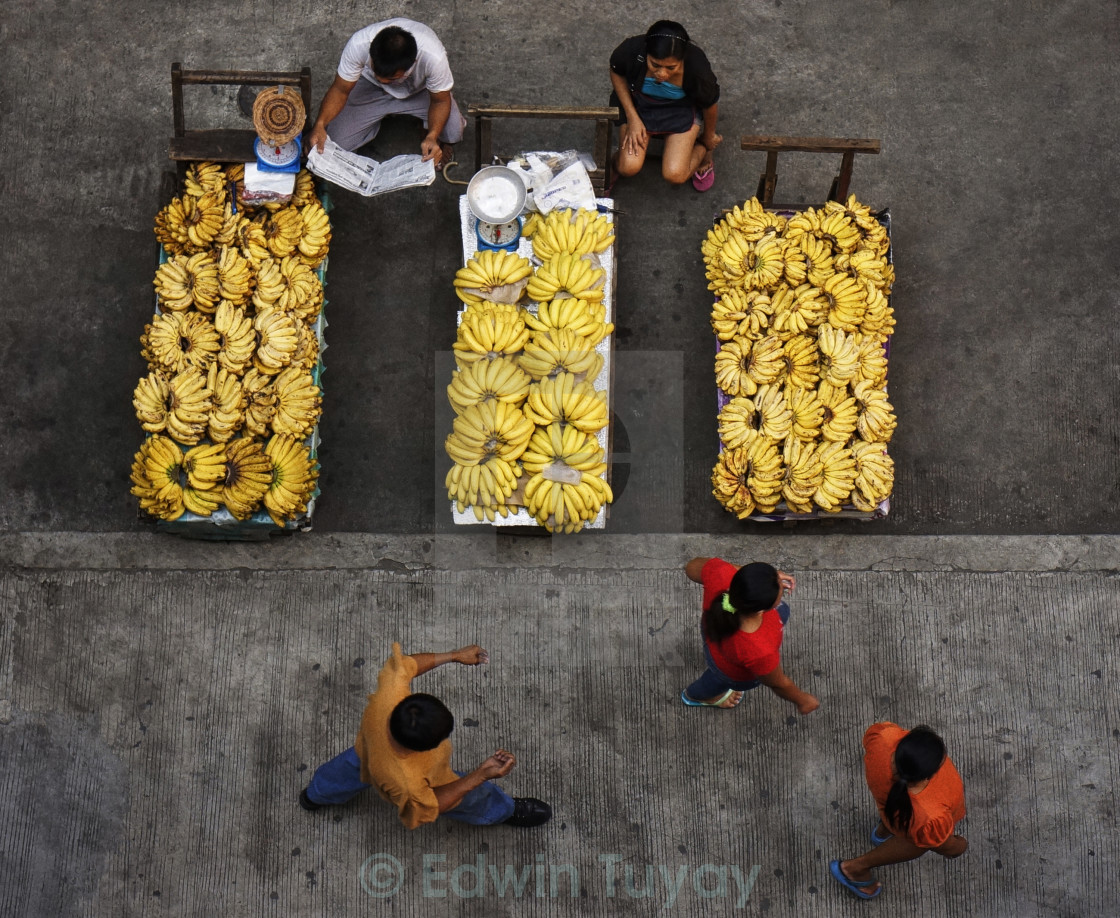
278,114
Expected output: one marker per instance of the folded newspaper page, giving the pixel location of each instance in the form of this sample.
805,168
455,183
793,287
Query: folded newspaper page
367,176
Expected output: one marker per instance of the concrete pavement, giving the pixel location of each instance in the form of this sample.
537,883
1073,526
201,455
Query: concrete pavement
165,711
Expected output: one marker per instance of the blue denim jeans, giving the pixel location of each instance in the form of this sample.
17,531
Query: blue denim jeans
339,780
715,682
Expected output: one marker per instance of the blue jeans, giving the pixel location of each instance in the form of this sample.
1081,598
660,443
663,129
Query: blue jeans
339,780
715,682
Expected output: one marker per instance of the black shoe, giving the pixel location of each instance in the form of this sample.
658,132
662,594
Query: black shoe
529,812
307,803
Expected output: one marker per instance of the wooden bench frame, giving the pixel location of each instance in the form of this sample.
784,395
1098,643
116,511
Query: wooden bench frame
773,145
604,118
224,145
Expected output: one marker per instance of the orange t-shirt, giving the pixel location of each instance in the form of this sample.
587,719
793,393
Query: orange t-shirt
406,781
938,807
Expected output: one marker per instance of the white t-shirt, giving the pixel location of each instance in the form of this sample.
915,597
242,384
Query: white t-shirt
431,72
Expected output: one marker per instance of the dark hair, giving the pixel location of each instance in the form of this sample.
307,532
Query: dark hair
421,722
391,51
754,588
666,38
918,756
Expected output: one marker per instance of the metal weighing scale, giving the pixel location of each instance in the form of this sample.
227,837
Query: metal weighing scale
278,117
496,197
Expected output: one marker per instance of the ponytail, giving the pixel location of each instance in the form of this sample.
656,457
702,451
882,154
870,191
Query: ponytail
918,756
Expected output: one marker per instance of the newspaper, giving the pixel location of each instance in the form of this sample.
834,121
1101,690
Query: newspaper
367,176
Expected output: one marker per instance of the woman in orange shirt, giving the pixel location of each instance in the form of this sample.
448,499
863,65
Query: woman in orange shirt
920,797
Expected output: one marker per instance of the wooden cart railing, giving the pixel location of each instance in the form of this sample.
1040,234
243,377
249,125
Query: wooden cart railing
772,146
604,118
224,145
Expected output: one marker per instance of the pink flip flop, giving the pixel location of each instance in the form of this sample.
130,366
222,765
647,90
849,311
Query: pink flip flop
704,177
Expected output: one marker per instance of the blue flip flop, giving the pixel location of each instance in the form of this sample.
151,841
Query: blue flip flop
876,838
856,887
693,703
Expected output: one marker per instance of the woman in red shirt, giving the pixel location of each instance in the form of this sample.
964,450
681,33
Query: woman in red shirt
920,797
742,629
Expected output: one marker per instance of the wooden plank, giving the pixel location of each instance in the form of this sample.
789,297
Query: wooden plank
809,144
840,184
305,89
483,142
219,146
542,111
251,77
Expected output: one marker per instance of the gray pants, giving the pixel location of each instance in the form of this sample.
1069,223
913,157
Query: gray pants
360,119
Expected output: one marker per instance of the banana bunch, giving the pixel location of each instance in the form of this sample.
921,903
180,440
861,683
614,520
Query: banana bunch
487,331
833,227
270,284
847,301
838,475
204,177
873,234
571,274
277,337
748,265
188,412
156,471
260,404
839,355
152,401
742,314
802,362
189,224
531,225
749,477
236,336
293,475
563,507
283,230
742,365
796,311
316,237
872,361
841,413
483,486
582,317
877,421
253,242
227,411
878,319
205,469
582,232
301,292
797,266
560,351
561,400
738,422
488,270
819,262
235,277
564,444
775,419
499,380
183,281
867,266
304,192
174,341
298,403
488,429
232,221
306,354
754,222
804,474
874,474
807,413
248,477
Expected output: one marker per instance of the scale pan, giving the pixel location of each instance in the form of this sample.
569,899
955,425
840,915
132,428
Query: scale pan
496,194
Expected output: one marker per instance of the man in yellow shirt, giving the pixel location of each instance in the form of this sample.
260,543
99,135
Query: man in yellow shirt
403,749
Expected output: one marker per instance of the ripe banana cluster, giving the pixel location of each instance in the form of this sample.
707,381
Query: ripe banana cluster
525,378
577,232
489,270
232,349
802,315
568,274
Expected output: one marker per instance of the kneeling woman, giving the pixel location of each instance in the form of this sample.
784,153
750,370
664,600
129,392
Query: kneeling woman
742,625
665,87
